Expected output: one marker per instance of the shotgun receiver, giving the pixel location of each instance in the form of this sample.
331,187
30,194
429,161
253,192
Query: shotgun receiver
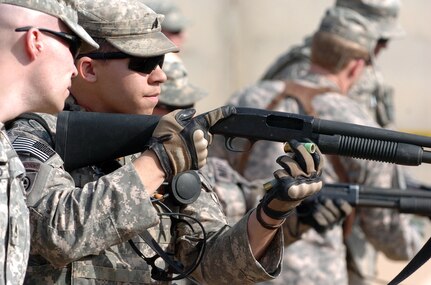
88,138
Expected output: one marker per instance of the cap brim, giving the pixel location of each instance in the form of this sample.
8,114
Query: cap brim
393,32
144,45
176,97
88,44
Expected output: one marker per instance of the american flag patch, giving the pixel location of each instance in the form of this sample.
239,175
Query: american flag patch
39,150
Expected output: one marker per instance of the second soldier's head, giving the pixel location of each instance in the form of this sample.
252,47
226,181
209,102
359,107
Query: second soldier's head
125,74
343,35
382,14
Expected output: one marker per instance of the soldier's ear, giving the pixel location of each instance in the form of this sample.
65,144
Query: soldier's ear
356,67
86,70
33,43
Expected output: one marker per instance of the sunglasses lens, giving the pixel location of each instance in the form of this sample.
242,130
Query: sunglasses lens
147,64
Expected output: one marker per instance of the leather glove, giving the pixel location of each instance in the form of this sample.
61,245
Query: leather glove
180,140
298,179
323,213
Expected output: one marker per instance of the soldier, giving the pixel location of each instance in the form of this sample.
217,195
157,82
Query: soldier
376,97
83,219
340,50
35,36
370,90
175,22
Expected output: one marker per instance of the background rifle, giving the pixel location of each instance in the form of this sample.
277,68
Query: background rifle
412,201
109,136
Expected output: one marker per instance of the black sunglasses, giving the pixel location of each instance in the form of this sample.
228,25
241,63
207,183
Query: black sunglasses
138,64
73,41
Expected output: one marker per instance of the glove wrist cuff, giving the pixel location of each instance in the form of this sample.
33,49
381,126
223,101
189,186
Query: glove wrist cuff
273,213
157,147
265,224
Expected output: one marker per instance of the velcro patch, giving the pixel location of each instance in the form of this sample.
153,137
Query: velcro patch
37,149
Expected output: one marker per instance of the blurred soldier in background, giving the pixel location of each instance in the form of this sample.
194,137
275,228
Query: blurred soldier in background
376,98
175,22
370,90
341,50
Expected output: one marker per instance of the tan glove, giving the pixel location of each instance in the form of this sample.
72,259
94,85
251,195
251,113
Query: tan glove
298,179
180,140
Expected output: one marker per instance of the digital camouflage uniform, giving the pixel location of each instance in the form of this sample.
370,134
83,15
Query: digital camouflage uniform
370,91
83,220
81,229
15,228
14,220
376,98
320,258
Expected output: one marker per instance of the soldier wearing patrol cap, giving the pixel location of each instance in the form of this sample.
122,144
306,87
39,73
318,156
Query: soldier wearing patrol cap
375,97
177,92
370,90
84,218
175,22
36,38
341,49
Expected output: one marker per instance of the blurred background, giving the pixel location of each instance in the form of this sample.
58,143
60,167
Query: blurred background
230,43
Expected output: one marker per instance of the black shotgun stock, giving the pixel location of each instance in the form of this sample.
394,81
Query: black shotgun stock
87,138
411,201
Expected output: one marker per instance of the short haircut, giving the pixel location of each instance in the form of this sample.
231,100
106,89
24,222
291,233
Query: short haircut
333,52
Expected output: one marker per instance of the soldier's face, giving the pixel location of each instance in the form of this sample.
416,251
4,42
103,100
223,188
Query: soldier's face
122,90
53,78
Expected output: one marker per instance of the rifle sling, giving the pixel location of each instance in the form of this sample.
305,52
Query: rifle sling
423,255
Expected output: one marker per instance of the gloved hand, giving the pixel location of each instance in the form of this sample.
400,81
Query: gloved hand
323,213
298,179
180,140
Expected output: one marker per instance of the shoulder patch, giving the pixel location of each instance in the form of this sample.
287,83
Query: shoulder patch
33,147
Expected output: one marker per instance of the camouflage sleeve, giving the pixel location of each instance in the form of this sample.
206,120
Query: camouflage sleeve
397,235
68,222
227,258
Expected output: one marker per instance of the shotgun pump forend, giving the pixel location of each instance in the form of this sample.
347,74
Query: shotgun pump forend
109,136
409,201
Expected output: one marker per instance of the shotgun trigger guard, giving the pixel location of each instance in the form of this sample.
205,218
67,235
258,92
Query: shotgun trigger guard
236,144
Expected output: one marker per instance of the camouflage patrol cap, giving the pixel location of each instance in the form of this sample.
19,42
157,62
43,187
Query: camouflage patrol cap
65,10
128,25
174,18
382,13
350,26
177,90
